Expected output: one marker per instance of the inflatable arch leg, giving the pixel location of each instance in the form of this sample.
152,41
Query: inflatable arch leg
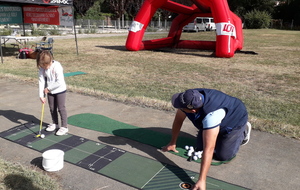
140,23
229,37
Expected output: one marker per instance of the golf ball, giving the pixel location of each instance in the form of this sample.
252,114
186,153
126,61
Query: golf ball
42,136
190,153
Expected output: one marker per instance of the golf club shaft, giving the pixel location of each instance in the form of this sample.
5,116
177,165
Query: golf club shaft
42,116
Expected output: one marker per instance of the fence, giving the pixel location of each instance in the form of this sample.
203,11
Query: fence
165,25
285,24
108,26
117,24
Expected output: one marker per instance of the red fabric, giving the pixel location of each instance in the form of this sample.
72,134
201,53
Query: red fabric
229,36
41,15
26,50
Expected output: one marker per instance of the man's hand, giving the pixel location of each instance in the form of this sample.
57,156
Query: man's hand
169,147
200,185
177,124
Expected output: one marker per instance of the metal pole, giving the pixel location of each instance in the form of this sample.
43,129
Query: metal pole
74,25
1,49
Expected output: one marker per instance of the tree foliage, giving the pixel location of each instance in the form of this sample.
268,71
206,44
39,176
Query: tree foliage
81,7
93,9
241,7
119,7
288,10
133,8
256,19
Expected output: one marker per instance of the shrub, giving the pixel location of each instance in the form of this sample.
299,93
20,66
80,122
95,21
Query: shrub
5,32
257,19
38,32
54,31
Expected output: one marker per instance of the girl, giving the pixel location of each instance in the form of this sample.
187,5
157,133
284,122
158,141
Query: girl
52,84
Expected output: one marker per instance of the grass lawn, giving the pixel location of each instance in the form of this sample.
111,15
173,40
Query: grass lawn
268,83
15,176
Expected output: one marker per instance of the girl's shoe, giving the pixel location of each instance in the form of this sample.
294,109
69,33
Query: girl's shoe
51,127
62,131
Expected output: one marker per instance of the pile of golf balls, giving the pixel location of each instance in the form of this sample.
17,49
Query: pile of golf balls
192,153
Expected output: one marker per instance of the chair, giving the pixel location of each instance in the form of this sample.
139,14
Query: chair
48,43
43,40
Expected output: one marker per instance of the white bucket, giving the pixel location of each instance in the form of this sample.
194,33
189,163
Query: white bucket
53,160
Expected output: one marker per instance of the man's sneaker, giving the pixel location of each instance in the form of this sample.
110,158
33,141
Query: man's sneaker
51,127
247,134
62,131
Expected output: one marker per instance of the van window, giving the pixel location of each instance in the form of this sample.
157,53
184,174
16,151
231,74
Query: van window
206,20
199,20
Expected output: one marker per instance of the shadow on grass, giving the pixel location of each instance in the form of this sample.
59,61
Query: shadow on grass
189,52
9,51
37,162
18,182
119,48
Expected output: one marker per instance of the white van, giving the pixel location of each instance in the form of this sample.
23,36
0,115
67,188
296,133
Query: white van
200,24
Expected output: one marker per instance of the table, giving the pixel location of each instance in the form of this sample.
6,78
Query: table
22,40
18,39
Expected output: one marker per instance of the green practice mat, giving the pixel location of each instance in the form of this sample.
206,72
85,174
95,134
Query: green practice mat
126,167
146,136
74,73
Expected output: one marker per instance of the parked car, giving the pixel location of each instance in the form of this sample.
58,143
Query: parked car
200,24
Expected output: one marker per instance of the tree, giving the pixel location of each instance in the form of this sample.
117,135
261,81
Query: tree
241,7
288,11
133,8
81,7
118,8
257,19
94,12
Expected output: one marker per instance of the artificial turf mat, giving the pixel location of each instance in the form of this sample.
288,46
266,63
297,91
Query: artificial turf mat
74,73
106,125
146,136
126,167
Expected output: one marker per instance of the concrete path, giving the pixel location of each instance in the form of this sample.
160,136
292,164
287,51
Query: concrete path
267,162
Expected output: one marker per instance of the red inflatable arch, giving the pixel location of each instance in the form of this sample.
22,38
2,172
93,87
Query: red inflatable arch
229,37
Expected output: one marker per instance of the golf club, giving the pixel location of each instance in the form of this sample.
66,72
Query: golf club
41,122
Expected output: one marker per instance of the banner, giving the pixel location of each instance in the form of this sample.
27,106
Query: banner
10,14
65,16
44,2
51,15
41,15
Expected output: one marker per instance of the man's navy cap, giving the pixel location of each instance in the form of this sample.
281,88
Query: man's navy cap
190,99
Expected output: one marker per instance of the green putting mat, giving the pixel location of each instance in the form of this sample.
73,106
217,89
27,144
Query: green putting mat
74,73
126,167
146,136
